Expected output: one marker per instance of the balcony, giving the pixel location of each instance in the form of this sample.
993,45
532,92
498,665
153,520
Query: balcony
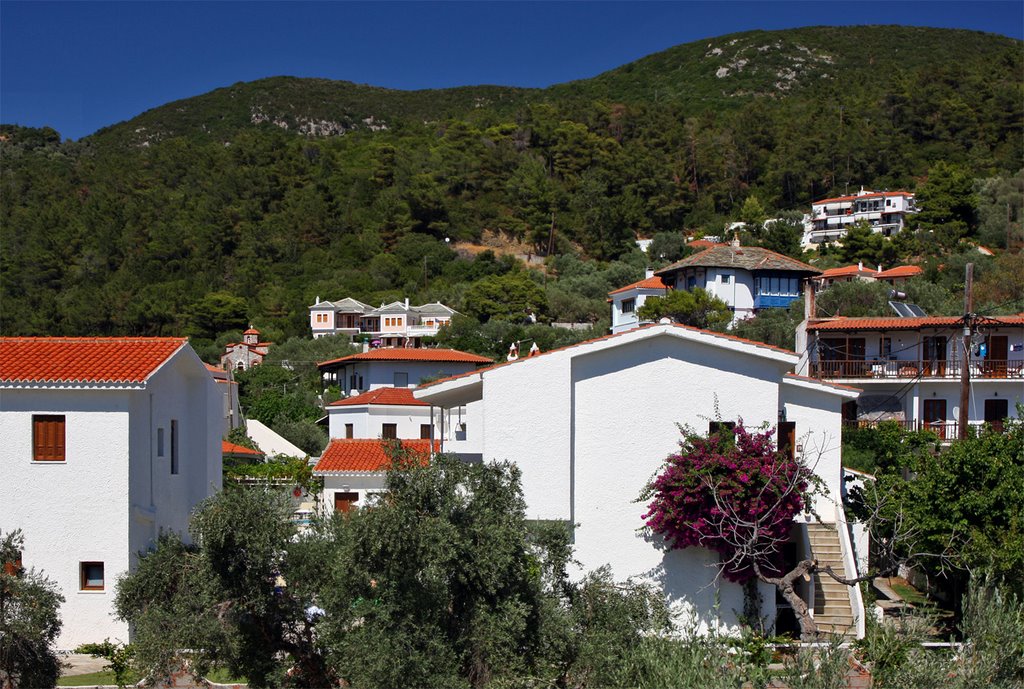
944,430
909,369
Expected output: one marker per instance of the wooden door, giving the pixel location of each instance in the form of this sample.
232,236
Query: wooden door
995,359
343,502
934,363
935,417
995,411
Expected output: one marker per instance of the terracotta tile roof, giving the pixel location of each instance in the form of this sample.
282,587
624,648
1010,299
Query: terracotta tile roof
703,244
647,283
897,323
227,448
599,339
846,270
366,455
745,257
402,396
900,272
795,376
84,359
872,195
409,354
251,331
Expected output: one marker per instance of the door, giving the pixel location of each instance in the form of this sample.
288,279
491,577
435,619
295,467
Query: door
935,417
995,411
934,355
995,359
344,502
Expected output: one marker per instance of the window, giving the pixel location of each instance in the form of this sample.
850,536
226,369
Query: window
159,442
349,431
91,576
424,431
344,502
885,347
48,438
787,439
174,446
389,431
726,278
628,305
401,379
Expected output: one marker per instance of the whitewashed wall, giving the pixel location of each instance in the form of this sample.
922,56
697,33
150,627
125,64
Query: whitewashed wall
365,485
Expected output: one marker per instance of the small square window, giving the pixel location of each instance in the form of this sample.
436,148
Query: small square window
726,279
424,431
91,576
349,431
628,305
401,379
389,431
48,438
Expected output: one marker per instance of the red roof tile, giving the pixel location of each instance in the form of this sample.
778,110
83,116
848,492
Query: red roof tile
877,194
846,270
647,283
897,323
703,244
227,448
402,396
900,272
366,455
409,354
84,359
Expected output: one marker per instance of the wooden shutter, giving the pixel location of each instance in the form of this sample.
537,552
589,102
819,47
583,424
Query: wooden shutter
48,438
787,439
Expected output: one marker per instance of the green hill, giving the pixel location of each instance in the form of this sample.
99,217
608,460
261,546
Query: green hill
246,203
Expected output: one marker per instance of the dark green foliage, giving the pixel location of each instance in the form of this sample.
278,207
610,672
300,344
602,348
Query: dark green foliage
119,658
690,307
512,297
29,620
668,247
440,583
854,299
201,215
493,339
773,326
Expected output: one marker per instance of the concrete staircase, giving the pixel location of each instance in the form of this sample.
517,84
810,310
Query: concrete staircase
832,611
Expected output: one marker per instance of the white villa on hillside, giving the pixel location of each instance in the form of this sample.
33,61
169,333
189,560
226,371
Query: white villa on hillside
885,211
909,368
390,325
107,442
748,279
589,425
398,368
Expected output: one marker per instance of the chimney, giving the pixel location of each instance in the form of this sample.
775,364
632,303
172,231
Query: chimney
318,299
649,273
810,300
879,267
860,266
736,240
407,303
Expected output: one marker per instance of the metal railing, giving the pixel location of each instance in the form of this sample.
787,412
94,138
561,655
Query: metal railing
945,430
900,369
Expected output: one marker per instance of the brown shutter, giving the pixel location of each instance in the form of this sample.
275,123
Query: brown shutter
48,438
787,439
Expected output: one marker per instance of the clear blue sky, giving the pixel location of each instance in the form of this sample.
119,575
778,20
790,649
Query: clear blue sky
80,66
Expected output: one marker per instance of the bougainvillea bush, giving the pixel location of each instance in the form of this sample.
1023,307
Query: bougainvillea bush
731,492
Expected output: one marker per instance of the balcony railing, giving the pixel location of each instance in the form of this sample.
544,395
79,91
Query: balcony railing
945,430
908,369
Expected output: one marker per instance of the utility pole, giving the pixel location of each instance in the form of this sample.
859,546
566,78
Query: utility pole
965,364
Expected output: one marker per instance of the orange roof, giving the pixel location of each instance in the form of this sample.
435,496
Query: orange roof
897,323
647,283
703,244
401,396
408,354
870,195
251,331
900,272
837,386
366,455
607,337
227,448
84,359
213,369
845,270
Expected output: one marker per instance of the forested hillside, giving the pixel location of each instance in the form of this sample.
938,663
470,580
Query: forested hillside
246,203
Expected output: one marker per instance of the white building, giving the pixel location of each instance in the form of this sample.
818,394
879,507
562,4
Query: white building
589,425
885,211
748,279
396,324
626,301
398,368
354,469
909,368
897,275
106,443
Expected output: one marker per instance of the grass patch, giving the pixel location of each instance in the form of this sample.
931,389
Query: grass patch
910,594
221,675
92,679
